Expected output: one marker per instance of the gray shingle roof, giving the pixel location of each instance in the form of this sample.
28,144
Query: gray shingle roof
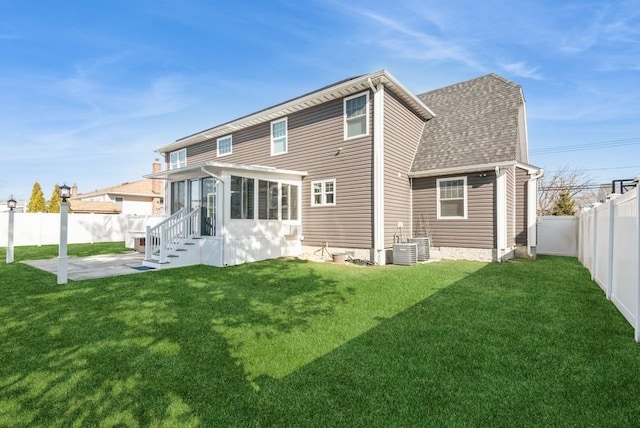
476,123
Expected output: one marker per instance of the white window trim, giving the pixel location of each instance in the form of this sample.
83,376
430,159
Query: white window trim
230,137
466,198
177,152
324,203
344,115
286,136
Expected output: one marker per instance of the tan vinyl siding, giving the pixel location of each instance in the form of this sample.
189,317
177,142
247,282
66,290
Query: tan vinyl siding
315,136
402,131
511,207
522,180
477,231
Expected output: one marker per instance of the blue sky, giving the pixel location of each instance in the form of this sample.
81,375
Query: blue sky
89,89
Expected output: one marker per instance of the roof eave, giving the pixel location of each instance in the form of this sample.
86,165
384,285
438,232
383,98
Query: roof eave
463,169
197,168
337,91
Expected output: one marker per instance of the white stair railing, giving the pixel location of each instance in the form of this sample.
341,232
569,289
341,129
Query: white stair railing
170,233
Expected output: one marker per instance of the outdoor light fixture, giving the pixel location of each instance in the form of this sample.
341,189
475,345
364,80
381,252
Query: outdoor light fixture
11,203
65,192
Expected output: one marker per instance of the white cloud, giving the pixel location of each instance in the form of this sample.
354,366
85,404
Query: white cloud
521,69
406,42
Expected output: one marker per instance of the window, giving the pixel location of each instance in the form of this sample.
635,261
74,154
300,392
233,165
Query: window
279,137
323,193
452,197
119,201
356,116
224,146
289,202
242,197
178,196
267,200
178,159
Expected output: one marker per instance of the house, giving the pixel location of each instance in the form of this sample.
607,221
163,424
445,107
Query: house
354,166
142,197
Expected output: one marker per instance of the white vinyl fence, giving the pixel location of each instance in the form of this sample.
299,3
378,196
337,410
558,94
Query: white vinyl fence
44,228
557,235
609,246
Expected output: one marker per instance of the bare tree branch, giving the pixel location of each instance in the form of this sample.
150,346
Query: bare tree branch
577,184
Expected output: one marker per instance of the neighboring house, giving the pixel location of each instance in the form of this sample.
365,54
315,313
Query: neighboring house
353,166
142,197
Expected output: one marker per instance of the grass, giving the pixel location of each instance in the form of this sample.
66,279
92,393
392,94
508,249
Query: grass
294,343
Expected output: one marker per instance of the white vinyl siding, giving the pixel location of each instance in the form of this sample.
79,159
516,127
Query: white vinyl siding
178,159
279,137
323,193
225,146
452,198
356,116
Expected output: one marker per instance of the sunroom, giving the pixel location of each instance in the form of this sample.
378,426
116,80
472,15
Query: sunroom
223,214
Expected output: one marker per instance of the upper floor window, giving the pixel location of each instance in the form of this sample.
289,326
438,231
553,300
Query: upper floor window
178,159
452,198
225,145
356,116
323,193
279,137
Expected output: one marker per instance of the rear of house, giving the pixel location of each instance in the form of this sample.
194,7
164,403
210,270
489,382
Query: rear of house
333,168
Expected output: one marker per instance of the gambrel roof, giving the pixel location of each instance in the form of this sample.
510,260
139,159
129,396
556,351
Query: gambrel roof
477,122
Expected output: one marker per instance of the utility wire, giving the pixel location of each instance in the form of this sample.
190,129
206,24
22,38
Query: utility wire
587,146
595,169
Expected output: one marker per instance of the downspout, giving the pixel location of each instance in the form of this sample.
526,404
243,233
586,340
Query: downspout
532,212
222,228
378,174
501,213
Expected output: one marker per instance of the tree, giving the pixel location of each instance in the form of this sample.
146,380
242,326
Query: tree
565,205
54,202
576,183
37,203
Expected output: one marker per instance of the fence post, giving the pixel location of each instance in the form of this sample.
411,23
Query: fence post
147,244
610,250
594,241
637,180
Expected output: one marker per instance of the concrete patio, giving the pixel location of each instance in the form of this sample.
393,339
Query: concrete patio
80,268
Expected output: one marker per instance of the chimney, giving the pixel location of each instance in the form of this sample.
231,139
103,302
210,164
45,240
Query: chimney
74,190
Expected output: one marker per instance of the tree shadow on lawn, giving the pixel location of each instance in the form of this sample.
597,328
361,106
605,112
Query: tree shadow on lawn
524,343
144,349
500,344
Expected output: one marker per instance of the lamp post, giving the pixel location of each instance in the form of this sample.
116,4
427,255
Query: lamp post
65,192
11,204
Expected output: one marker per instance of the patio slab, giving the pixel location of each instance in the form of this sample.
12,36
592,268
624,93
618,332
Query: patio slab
102,266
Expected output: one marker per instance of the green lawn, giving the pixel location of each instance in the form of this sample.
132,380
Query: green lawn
295,343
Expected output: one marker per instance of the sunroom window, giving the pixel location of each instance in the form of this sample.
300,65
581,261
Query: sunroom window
242,194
